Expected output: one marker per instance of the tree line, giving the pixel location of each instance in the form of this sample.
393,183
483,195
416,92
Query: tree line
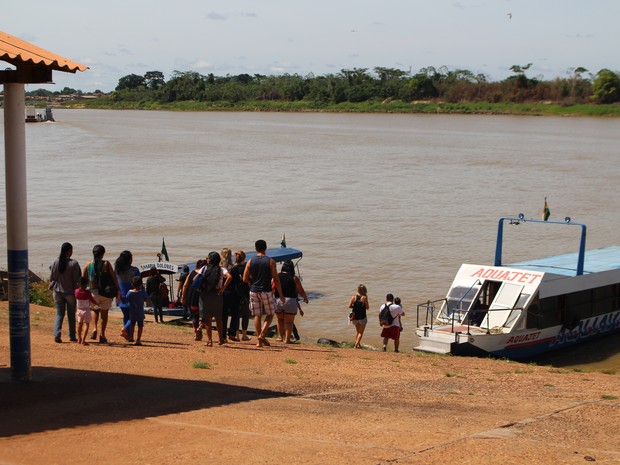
365,85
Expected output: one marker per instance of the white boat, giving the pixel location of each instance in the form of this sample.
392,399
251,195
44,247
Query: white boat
524,309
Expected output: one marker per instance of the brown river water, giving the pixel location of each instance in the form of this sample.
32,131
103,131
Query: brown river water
396,202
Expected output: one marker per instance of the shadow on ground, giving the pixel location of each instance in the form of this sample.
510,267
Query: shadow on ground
62,398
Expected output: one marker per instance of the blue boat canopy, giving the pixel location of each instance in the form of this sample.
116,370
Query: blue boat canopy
279,254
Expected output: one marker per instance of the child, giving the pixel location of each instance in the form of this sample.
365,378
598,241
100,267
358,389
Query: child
83,298
136,298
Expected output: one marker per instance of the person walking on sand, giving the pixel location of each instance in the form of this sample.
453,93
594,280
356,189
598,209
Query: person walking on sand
84,298
153,283
391,323
291,288
136,298
258,273
358,304
230,307
215,280
191,298
64,280
99,271
242,293
125,272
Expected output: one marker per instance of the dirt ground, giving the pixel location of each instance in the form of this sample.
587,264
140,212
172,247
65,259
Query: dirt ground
174,400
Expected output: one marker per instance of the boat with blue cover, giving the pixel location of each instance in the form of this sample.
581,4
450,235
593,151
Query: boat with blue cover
527,308
279,254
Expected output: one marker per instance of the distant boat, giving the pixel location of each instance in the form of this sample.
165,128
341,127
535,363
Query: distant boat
33,115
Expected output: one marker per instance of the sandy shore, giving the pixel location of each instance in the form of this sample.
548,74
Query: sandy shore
174,400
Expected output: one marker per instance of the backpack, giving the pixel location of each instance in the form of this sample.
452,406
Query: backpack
385,316
208,279
359,309
105,282
240,287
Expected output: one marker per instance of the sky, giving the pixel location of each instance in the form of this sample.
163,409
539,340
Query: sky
115,38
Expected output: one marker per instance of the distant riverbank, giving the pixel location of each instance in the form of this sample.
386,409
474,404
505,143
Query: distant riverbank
391,106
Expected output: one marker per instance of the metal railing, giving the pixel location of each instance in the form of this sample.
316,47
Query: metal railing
430,306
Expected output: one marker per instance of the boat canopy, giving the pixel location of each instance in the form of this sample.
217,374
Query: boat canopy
279,254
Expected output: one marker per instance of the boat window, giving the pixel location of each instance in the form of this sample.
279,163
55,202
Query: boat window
483,301
502,306
578,305
460,299
605,299
549,313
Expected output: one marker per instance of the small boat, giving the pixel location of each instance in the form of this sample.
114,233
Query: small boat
524,309
279,254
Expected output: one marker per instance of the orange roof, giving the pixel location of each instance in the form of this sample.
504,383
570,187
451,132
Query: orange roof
19,52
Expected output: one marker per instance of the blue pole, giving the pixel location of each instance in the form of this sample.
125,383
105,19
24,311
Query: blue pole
17,230
499,243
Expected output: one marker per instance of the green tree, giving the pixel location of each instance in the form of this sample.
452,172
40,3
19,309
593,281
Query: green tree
154,79
131,81
606,87
183,86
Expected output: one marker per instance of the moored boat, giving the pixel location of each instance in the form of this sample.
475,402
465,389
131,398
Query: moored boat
527,308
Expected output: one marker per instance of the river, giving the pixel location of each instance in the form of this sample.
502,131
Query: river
396,202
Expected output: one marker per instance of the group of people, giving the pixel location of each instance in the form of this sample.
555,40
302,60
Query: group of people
217,289
391,325
89,293
229,292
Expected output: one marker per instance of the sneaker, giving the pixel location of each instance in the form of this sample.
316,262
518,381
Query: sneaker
94,335
58,340
103,340
73,339
245,338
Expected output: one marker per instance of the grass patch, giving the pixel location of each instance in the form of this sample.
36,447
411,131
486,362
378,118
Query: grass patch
291,361
41,295
557,370
201,364
521,371
609,397
608,372
371,106
581,370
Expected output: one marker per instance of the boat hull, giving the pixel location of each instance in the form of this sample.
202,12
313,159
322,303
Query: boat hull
524,344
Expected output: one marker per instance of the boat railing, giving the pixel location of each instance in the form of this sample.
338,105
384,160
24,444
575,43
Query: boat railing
490,328
428,308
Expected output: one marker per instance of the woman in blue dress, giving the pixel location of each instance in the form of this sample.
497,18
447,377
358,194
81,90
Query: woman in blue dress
125,272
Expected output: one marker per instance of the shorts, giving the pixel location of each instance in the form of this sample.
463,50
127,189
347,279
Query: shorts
262,303
362,322
104,302
391,332
136,314
84,316
289,306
